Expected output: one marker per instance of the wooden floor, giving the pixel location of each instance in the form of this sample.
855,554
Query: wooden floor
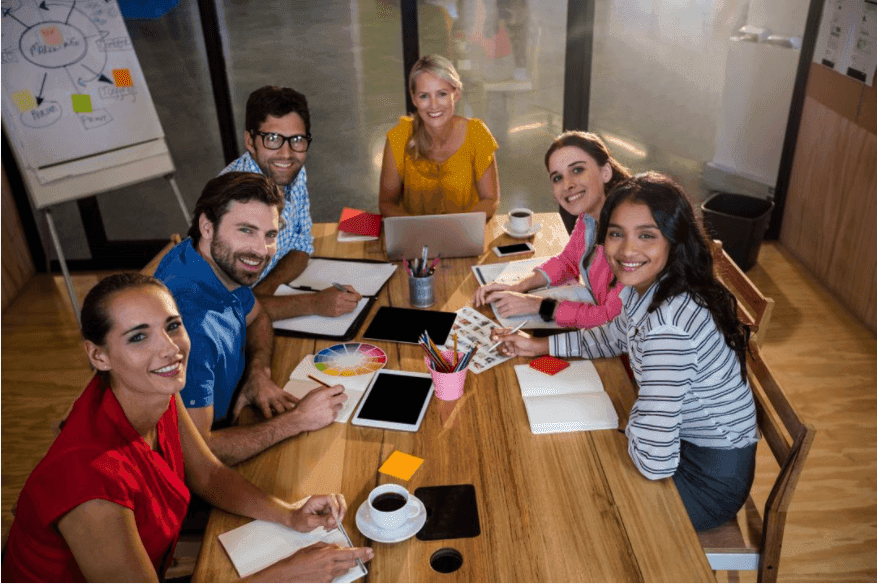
824,358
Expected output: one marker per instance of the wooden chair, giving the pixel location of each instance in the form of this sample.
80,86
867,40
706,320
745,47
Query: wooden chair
754,540
753,307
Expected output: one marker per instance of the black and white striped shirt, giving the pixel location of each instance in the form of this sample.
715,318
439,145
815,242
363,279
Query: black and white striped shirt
689,379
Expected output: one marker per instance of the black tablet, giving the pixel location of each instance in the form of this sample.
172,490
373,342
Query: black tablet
395,400
405,325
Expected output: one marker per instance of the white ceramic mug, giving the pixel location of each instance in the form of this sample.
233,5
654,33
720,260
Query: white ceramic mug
391,520
520,220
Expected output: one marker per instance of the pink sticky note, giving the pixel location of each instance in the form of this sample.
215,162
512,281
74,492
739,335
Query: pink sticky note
51,35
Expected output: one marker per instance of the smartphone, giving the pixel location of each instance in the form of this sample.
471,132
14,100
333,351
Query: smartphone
502,251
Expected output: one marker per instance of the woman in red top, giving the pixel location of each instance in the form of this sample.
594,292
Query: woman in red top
107,501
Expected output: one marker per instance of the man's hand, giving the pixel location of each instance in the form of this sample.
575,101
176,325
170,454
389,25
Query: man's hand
334,302
259,390
322,562
319,407
315,511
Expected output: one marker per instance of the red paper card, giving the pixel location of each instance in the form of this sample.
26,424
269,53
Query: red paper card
548,364
359,222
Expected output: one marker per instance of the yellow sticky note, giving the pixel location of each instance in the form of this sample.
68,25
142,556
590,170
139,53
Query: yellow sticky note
401,465
81,103
24,100
122,77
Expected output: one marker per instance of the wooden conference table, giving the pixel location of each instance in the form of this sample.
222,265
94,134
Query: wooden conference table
557,507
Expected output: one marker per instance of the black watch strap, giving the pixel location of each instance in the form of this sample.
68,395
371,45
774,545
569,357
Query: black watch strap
546,309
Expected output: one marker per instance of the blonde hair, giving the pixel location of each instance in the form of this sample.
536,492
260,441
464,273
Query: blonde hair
419,145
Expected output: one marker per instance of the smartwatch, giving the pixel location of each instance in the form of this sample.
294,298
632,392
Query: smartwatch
546,309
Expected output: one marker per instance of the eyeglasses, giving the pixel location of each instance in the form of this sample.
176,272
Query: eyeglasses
274,141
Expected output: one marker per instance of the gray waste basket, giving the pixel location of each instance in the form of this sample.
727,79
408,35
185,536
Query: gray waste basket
739,222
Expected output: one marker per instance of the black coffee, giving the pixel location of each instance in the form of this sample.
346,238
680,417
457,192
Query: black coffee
389,502
520,214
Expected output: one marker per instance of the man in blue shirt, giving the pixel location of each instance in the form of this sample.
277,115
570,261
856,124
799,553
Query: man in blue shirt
231,240
277,136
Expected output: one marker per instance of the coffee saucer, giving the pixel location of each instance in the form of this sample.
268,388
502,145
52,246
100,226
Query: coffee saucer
521,235
375,533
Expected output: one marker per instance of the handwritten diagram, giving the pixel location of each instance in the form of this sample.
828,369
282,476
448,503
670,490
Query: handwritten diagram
72,86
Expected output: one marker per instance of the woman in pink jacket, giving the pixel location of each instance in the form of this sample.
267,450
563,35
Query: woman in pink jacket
581,171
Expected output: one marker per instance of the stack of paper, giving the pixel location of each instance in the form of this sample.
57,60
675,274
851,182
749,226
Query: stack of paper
358,225
572,400
354,385
259,544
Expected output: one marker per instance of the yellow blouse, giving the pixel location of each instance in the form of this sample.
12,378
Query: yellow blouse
429,188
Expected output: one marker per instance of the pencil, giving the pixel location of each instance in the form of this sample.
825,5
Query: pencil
320,381
511,332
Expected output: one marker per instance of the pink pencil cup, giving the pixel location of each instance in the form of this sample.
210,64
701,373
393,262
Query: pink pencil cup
448,386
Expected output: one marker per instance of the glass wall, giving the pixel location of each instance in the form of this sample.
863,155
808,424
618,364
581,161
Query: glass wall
510,55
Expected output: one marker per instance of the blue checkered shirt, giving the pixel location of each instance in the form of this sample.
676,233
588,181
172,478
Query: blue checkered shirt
296,216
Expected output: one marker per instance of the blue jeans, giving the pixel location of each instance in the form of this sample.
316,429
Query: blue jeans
714,483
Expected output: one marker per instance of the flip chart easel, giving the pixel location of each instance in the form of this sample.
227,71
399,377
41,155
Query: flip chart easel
76,107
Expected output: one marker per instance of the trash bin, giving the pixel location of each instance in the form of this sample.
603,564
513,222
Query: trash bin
739,221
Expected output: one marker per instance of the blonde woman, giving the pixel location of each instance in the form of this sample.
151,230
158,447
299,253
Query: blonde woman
436,161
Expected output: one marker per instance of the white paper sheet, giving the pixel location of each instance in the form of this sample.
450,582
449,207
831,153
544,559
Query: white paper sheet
315,324
473,327
259,544
354,385
366,277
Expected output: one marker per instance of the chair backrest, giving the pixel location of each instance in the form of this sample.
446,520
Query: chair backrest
753,307
789,439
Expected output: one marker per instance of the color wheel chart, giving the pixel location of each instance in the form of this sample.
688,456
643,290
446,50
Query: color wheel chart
348,359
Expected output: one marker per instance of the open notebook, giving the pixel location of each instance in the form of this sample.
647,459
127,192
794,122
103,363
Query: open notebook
572,400
511,272
354,385
259,544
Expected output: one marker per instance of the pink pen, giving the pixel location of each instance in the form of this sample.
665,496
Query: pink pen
407,267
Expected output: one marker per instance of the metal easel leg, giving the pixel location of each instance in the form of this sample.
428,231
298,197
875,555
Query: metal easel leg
57,242
179,196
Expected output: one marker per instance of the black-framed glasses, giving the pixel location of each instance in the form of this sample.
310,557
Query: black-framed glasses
274,141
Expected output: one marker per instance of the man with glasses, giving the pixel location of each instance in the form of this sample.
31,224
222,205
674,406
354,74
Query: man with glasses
277,136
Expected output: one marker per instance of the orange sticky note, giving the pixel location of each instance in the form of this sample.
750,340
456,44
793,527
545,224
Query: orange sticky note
24,100
81,103
401,465
51,35
122,77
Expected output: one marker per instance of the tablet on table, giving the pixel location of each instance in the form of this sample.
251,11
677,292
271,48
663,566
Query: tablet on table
395,400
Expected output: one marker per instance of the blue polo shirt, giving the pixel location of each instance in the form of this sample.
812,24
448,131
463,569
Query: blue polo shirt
216,320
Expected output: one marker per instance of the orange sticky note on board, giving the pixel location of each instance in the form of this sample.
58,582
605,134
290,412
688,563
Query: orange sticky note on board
359,222
401,465
51,35
122,78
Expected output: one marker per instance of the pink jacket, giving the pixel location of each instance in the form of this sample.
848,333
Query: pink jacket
568,266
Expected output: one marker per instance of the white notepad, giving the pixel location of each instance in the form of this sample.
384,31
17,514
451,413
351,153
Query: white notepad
314,323
572,400
259,544
354,385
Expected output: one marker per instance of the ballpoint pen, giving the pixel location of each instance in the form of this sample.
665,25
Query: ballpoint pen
425,259
511,332
339,286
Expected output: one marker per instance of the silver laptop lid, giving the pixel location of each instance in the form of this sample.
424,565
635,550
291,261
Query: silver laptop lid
454,235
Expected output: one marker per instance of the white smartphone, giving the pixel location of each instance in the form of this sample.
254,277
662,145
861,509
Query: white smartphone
513,249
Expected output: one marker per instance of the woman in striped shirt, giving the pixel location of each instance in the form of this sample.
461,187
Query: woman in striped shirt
694,417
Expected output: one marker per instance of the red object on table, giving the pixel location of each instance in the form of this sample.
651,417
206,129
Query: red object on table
548,364
360,222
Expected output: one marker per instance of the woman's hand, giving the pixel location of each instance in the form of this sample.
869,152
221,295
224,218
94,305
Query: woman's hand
318,511
518,344
320,562
480,298
514,303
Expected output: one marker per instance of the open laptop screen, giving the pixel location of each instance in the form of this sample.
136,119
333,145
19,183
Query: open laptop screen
453,235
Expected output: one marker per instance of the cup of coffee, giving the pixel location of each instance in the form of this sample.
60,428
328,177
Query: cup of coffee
391,506
520,220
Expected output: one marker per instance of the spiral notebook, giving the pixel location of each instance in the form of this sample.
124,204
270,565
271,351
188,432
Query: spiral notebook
573,400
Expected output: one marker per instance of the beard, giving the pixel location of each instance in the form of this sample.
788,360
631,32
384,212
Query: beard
228,261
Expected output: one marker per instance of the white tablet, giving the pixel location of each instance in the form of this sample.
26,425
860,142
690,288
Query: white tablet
395,400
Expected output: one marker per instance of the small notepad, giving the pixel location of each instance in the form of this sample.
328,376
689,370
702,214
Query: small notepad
573,400
354,385
259,544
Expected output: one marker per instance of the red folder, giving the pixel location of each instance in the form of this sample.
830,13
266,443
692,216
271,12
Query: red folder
359,222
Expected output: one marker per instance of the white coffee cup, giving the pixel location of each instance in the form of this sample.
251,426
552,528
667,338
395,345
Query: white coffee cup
520,220
394,506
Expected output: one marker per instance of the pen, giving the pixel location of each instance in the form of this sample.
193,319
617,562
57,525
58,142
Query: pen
339,286
511,332
425,259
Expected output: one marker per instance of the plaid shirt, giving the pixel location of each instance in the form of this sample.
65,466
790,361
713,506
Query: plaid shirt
296,216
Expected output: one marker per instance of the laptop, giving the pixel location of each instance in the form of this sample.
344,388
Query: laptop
455,235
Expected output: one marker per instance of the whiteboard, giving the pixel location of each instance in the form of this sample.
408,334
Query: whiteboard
75,102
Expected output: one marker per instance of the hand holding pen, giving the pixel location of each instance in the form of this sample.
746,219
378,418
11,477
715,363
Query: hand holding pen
511,332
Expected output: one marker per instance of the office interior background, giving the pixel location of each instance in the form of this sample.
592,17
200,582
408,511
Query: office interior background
661,84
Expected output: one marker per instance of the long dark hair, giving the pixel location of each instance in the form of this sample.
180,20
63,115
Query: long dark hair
689,266
594,146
